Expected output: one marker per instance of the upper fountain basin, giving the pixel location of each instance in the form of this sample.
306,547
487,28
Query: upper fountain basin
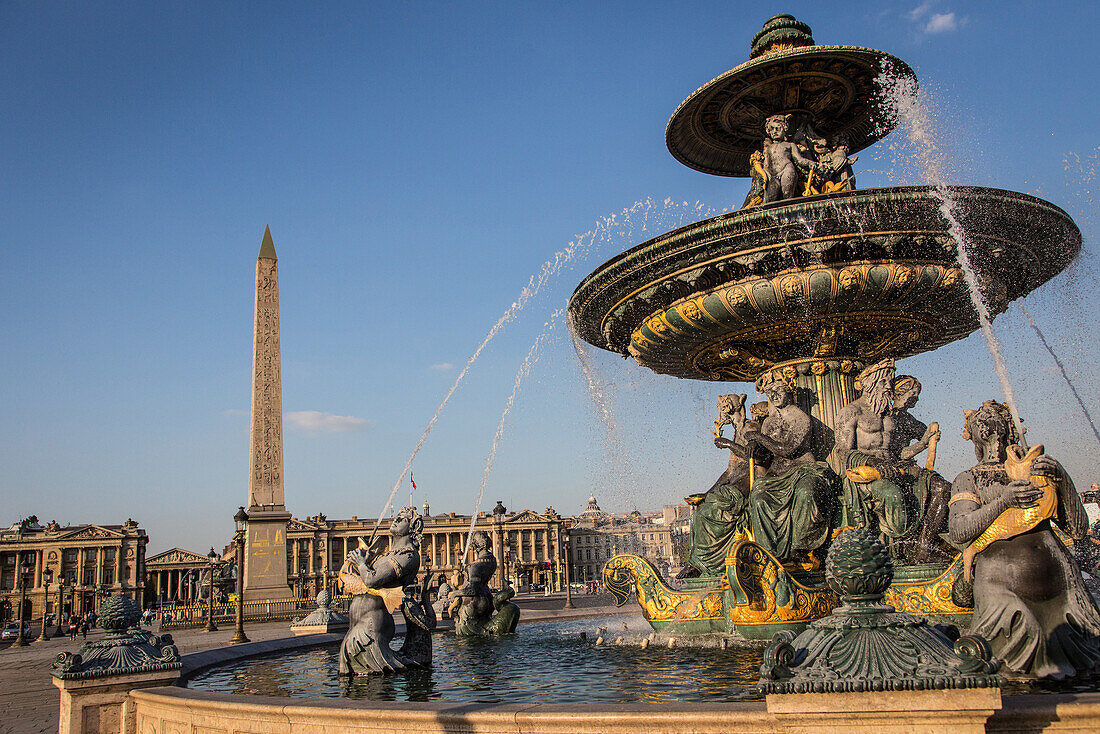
858,275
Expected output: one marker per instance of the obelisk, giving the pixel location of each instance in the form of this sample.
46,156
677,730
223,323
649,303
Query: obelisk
265,575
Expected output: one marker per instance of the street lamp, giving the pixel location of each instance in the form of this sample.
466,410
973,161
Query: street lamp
47,577
210,626
568,585
60,605
25,569
241,519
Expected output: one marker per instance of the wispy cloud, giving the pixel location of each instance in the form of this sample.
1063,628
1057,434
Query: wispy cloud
920,11
442,367
315,421
941,23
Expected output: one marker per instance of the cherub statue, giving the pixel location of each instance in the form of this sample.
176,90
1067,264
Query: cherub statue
378,588
834,171
782,159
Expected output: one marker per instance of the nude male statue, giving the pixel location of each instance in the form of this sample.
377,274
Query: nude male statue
864,428
906,502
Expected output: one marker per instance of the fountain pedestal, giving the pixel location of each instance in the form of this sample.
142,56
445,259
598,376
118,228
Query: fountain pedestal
963,711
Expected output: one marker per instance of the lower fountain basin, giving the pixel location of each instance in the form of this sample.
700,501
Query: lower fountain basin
856,275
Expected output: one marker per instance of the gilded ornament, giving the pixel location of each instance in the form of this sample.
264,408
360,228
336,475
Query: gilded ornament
818,368
902,275
792,287
950,277
736,297
850,279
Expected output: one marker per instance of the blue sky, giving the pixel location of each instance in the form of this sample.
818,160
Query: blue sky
417,163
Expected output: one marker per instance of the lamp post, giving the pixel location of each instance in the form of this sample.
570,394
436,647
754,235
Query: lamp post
568,585
25,569
210,626
60,605
47,577
241,519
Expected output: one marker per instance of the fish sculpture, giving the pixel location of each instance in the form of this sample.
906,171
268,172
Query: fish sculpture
1016,520
352,583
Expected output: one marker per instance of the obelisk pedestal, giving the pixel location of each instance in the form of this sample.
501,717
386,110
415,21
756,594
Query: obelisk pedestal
265,573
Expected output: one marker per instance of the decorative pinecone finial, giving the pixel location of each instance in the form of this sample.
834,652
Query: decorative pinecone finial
858,567
780,32
324,598
118,614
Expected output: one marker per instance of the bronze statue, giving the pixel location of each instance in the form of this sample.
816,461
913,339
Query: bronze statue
1030,601
782,159
378,588
910,438
790,503
719,515
874,493
477,611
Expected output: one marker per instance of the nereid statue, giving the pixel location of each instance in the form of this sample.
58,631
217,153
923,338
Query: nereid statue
1030,600
790,503
477,611
378,585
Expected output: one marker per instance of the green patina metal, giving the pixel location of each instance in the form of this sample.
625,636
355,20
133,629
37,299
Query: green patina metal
865,645
124,650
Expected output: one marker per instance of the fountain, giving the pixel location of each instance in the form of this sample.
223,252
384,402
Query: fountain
812,290
824,533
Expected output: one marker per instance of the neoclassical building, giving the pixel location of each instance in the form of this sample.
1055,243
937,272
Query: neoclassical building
174,576
528,545
93,561
596,536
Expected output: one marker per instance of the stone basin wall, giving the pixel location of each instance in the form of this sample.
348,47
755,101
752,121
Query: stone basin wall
172,710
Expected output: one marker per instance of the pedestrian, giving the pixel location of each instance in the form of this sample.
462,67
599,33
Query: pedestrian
73,625
84,628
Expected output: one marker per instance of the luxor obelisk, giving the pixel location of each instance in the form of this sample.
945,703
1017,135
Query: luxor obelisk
265,575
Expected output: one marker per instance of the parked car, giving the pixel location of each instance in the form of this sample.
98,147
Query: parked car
11,631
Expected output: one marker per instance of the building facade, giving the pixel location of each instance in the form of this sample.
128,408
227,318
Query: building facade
596,537
174,576
87,563
528,546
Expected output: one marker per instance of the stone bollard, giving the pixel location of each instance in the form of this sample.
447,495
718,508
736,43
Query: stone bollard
619,640
645,643
724,643
322,620
584,636
95,682
599,640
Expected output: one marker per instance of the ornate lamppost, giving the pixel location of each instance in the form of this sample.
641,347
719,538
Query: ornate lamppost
241,519
25,569
568,586
61,583
210,626
47,577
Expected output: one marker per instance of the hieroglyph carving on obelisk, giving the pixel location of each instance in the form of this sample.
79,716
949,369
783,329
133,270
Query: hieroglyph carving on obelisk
265,477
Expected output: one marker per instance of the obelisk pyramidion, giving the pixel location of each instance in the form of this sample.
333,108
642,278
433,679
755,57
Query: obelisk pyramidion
265,575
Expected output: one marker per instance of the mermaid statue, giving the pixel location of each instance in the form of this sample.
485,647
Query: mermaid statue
378,585
1030,600
477,611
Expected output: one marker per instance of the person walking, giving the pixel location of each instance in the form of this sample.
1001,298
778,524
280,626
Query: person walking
74,624
84,628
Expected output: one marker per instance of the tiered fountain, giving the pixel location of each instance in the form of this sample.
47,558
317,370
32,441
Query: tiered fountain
810,283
